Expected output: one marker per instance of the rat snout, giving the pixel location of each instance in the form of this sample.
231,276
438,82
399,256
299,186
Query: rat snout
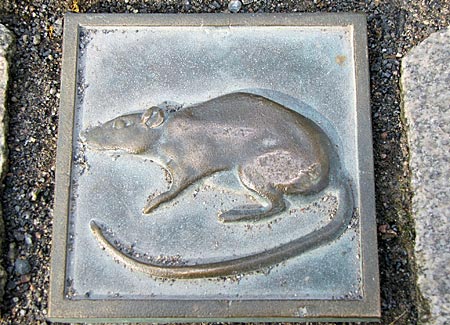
93,137
88,134
83,135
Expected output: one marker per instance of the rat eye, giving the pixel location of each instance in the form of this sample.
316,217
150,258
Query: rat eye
119,124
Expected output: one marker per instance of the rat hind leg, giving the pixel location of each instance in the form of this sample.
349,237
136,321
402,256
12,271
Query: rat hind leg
253,180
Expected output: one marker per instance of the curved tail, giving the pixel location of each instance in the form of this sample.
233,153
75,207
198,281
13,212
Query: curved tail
314,239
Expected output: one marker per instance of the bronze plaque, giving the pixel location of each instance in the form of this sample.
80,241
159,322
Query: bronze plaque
214,167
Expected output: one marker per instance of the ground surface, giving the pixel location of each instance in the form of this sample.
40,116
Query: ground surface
6,40
394,27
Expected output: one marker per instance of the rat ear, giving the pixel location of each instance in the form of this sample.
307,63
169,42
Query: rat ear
153,117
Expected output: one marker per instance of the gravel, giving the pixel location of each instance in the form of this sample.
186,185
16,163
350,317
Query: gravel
6,40
394,28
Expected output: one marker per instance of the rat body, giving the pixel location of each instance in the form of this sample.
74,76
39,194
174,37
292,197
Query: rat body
276,151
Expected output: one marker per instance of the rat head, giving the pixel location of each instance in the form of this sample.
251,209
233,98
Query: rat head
134,133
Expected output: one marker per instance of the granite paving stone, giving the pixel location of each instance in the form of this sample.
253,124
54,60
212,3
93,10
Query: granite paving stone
426,97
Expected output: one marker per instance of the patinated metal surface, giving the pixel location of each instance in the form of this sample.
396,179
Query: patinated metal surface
214,167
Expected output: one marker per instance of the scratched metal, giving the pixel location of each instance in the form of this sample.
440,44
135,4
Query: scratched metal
124,69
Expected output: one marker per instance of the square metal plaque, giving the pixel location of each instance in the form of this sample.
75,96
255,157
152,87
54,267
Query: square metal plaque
214,168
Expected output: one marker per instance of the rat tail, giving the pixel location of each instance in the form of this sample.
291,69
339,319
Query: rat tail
324,235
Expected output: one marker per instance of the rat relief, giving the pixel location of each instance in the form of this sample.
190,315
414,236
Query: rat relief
275,151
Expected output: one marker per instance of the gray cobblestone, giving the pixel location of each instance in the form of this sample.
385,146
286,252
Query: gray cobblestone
426,95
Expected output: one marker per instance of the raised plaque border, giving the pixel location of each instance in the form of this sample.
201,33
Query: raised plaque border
121,310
